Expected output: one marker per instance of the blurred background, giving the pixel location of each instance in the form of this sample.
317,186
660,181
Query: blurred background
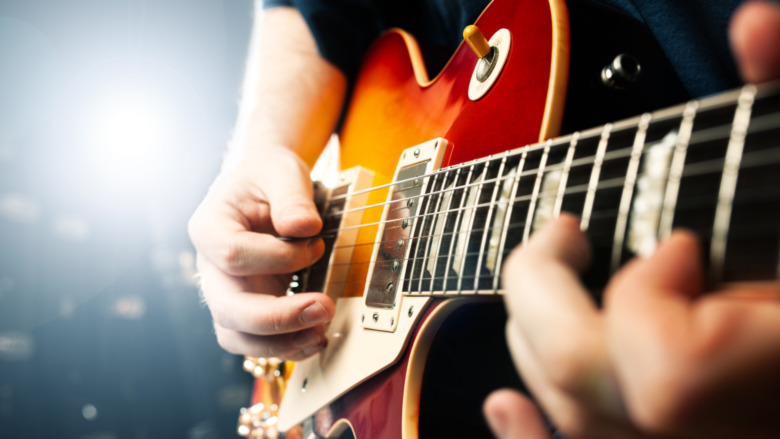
113,118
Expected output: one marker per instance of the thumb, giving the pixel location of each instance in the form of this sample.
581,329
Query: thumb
512,416
289,190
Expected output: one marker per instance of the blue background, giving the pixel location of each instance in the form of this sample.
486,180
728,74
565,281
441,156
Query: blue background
102,334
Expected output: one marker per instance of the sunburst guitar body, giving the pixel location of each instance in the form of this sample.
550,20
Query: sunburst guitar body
443,177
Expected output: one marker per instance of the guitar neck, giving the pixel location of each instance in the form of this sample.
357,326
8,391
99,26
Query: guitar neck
710,166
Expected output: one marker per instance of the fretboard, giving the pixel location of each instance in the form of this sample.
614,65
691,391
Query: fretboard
711,166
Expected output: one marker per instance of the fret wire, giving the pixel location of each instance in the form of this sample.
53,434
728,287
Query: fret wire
433,185
466,277
565,176
728,182
505,252
419,226
439,225
708,104
470,185
459,249
535,192
507,221
511,226
455,227
676,170
706,135
468,229
579,162
409,241
691,169
710,166
488,218
518,150
594,177
628,190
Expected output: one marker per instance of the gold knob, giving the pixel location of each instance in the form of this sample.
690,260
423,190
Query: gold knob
477,41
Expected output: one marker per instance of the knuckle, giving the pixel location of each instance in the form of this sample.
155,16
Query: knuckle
269,321
231,257
276,322
286,257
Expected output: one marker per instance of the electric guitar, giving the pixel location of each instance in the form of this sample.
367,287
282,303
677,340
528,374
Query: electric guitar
444,177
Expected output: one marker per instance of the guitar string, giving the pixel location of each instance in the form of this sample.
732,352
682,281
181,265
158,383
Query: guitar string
469,275
604,214
486,275
714,167
694,169
597,215
707,106
701,137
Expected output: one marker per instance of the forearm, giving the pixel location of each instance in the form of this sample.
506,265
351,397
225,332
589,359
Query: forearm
291,96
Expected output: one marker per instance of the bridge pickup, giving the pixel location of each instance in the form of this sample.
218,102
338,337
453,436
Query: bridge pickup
404,213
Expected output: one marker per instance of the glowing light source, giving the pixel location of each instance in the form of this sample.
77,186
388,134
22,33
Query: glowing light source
129,132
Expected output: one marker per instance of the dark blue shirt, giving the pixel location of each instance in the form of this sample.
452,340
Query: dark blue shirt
692,33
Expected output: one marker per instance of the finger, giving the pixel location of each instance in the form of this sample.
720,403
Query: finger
290,194
755,40
261,314
660,286
548,383
240,252
512,415
648,303
292,346
543,290
213,280
648,307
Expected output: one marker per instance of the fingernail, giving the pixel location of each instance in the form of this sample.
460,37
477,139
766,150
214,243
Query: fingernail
306,338
314,314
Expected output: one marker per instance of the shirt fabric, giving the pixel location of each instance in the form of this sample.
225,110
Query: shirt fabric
692,33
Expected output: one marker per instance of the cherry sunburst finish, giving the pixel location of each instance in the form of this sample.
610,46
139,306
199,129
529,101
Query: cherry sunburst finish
395,105
443,349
